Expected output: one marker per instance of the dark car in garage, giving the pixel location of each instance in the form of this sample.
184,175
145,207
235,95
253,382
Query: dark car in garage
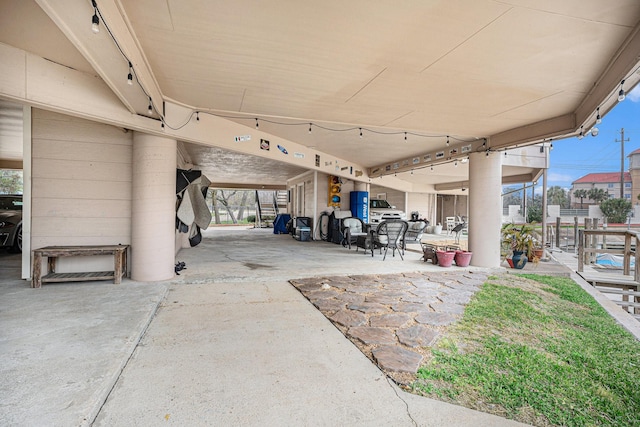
11,222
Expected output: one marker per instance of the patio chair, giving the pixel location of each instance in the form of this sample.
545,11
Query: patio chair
389,235
414,233
352,228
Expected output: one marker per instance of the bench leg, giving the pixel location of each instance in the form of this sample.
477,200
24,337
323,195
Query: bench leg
36,276
117,267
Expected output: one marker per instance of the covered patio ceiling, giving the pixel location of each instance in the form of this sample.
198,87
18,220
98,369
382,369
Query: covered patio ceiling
408,76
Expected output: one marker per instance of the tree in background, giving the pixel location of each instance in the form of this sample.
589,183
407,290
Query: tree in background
511,196
534,209
616,210
556,195
598,195
582,194
10,181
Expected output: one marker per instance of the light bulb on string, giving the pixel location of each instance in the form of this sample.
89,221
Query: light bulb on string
95,21
581,135
447,140
360,132
150,109
621,94
257,125
405,137
598,118
130,76
197,116
309,127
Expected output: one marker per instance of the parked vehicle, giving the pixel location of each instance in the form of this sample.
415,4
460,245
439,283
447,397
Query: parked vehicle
380,210
11,222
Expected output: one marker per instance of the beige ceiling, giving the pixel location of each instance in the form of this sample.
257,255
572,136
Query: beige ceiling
463,68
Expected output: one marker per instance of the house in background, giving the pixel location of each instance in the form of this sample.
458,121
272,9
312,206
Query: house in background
610,182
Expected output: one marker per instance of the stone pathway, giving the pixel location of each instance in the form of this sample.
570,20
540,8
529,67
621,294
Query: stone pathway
393,318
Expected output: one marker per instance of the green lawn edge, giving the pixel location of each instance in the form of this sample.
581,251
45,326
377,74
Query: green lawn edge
537,349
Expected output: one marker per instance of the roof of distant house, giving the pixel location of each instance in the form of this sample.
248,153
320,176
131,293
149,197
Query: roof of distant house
602,178
634,152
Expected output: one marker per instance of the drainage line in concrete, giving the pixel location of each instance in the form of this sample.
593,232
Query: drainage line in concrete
88,422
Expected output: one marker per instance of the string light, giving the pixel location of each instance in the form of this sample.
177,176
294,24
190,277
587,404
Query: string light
598,118
257,125
309,127
130,75
447,140
360,132
197,116
95,21
405,138
455,164
150,109
621,94
581,132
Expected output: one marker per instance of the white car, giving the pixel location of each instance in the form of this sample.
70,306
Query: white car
380,210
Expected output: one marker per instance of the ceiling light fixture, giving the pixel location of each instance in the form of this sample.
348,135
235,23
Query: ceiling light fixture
95,21
621,94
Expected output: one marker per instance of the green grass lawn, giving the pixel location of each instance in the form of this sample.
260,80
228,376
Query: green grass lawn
540,350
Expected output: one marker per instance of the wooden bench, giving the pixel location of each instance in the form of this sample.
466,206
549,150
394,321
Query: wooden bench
52,253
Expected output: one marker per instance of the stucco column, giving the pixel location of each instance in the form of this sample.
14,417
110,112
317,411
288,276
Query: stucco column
153,209
485,208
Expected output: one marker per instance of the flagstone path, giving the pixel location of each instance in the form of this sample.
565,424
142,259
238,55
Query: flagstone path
393,318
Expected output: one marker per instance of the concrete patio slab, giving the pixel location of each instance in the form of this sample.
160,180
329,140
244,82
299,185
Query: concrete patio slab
231,343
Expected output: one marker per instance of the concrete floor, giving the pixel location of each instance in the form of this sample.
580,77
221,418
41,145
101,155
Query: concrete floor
228,342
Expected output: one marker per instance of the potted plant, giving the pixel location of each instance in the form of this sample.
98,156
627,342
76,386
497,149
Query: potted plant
519,240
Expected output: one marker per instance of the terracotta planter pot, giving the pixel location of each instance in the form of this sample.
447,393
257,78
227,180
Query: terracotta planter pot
462,258
445,259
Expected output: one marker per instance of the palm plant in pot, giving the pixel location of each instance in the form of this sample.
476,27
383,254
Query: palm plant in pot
519,240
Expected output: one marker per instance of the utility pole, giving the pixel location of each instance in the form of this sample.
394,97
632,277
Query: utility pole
621,141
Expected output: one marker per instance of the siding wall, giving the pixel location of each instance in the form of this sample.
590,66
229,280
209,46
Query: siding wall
81,186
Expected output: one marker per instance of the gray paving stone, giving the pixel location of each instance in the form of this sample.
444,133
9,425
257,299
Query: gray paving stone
381,299
329,305
446,307
397,359
420,299
373,336
321,294
349,297
457,298
435,319
410,307
349,318
425,293
390,320
425,284
417,336
368,307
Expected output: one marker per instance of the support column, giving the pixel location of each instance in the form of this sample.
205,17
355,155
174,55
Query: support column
153,208
485,207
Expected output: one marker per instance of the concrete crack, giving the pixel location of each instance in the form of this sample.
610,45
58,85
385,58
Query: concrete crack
395,390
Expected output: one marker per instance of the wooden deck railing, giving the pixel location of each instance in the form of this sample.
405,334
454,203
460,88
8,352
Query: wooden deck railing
589,246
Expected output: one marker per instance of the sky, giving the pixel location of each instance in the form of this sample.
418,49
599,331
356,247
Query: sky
574,158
